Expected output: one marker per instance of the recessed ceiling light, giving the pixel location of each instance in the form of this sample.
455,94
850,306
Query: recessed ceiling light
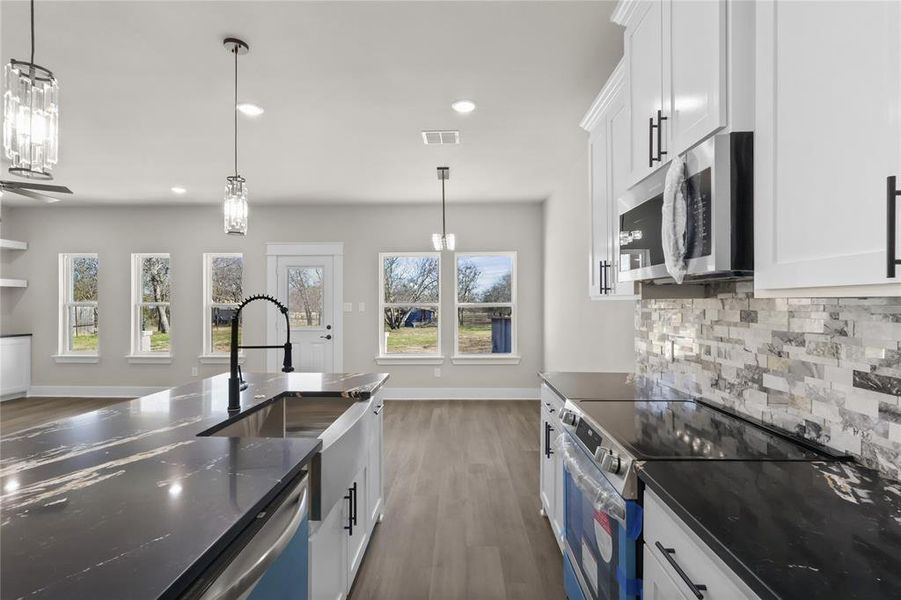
178,190
251,110
464,106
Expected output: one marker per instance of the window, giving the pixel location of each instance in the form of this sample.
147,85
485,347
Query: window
78,314
485,303
223,276
151,313
410,300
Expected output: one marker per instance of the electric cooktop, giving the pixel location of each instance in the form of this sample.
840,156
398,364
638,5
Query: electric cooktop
686,431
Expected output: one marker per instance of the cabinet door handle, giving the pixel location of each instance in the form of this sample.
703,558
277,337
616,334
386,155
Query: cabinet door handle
651,141
605,278
696,588
350,507
891,206
660,151
354,510
547,439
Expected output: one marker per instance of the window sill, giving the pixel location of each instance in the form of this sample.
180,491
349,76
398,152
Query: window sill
149,359
486,359
409,360
77,358
217,359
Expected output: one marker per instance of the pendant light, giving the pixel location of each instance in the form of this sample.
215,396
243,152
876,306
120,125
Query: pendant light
30,117
234,207
444,240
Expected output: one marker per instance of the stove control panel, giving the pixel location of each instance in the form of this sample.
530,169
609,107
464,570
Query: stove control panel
588,436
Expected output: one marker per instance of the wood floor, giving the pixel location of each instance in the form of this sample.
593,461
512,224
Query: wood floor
461,515
22,413
461,489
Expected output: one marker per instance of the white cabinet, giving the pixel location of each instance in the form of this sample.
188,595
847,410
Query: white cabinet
607,123
828,135
339,542
678,565
15,366
551,465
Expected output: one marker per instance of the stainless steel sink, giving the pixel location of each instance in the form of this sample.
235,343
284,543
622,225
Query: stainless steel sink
289,416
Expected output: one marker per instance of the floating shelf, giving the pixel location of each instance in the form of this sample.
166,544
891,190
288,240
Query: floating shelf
13,245
14,283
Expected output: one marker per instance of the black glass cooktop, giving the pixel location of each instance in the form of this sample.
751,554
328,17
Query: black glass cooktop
688,430
610,387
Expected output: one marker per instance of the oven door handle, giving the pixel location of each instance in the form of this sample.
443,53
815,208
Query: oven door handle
696,588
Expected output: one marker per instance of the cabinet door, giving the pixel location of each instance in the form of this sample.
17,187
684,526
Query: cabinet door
374,469
656,584
547,465
694,44
328,556
599,208
827,137
15,365
358,538
644,65
618,144
557,515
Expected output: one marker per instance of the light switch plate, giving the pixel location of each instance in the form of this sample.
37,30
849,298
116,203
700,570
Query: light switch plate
361,306
348,307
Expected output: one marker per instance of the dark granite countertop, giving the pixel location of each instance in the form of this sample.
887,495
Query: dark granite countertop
590,386
128,501
792,529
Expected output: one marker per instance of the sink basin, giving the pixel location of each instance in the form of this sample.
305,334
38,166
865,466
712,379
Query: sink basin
289,416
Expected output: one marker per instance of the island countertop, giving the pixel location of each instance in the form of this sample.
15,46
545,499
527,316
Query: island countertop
129,501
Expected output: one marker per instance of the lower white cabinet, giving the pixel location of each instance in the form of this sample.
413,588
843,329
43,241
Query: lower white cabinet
678,565
15,366
338,545
551,465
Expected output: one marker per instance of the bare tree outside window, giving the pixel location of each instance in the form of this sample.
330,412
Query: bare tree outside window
305,299
80,312
223,289
485,303
410,303
153,317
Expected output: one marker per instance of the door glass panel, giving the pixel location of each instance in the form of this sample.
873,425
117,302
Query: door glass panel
411,330
155,329
305,296
487,330
84,329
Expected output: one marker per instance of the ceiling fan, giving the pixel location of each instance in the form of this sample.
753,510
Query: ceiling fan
33,190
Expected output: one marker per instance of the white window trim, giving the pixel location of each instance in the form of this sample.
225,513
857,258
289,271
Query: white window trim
64,355
208,356
385,358
513,358
136,356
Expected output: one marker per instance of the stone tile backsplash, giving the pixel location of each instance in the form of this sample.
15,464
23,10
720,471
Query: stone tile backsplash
825,368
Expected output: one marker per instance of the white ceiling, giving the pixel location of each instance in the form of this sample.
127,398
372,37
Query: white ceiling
146,96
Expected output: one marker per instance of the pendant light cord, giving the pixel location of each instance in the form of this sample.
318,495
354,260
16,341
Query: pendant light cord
443,212
235,50
32,35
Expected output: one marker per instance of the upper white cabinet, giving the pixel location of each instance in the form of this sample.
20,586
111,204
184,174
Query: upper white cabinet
828,102
689,73
607,123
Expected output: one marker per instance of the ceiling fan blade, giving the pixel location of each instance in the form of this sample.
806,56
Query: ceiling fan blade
40,187
35,195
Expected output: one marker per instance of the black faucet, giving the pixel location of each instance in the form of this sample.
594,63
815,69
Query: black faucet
236,381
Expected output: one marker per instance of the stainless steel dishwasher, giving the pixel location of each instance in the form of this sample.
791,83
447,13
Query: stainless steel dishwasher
274,563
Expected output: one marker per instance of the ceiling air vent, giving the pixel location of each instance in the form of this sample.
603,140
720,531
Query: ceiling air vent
440,137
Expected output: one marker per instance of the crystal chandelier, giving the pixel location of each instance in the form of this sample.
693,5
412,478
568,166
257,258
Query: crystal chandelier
30,117
234,208
444,240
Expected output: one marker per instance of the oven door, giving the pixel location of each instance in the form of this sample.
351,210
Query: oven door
601,530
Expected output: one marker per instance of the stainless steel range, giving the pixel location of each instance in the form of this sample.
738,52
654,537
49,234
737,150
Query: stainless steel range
603,444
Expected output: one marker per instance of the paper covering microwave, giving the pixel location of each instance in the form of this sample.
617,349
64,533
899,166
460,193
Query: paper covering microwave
674,220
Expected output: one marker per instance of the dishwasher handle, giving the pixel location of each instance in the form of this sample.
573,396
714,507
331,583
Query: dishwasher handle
248,578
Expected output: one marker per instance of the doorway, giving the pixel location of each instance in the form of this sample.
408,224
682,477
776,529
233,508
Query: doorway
308,279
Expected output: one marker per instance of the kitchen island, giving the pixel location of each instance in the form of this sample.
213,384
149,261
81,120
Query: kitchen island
138,499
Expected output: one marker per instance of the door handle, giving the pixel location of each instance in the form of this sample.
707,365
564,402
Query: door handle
325,337
696,588
350,507
660,151
891,198
605,278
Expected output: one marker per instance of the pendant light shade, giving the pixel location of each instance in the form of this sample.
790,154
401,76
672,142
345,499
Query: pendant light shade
30,117
444,240
234,206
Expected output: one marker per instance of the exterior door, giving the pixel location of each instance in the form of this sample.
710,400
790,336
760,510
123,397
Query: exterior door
306,286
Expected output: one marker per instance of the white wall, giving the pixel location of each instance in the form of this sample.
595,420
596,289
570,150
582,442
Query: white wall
187,232
579,334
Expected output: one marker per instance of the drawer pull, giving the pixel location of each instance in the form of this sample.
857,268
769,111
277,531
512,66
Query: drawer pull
696,588
891,196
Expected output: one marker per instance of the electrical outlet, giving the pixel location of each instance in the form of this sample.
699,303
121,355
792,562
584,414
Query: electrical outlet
361,307
437,371
194,371
348,307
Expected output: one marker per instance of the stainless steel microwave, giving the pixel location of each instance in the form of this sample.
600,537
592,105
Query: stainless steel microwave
719,191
